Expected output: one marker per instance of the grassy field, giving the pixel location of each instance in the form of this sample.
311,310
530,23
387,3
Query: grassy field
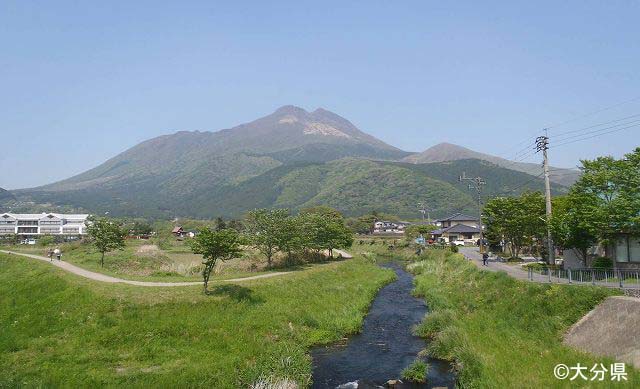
154,260
63,330
501,332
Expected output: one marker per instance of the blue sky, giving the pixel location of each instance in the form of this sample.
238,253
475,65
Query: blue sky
83,81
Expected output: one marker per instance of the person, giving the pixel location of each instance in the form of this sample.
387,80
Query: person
50,254
485,257
58,253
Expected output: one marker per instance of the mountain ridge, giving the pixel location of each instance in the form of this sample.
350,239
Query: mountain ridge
443,152
289,158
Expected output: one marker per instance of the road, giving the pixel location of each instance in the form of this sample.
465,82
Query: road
473,254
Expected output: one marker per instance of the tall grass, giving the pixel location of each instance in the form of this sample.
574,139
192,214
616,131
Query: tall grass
58,329
501,332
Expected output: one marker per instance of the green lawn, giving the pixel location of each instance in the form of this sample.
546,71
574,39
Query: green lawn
62,330
502,332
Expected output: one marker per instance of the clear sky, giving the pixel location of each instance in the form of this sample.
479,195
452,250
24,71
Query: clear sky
83,81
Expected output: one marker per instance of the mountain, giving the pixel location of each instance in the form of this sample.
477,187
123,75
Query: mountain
449,152
5,195
291,158
169,162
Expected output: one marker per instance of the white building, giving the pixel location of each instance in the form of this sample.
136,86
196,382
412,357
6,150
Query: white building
26,224
381,227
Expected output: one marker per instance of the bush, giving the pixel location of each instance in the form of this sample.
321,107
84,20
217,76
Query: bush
416,372
603,263
454,248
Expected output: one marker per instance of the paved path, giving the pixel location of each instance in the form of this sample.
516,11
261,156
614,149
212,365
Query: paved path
473,254
105,278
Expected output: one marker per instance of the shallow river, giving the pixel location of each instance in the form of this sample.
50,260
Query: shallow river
385,346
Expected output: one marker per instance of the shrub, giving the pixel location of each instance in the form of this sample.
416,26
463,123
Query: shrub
454,248
416,372
602,263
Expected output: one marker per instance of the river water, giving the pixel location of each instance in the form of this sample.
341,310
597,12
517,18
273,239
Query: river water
384,347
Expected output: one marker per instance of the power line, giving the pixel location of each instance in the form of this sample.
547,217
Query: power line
562,139
594,112
596,125
595,136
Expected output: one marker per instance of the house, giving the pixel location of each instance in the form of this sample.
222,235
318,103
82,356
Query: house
459,218
32,225
388,227
456,232
177,231
457,226
624,252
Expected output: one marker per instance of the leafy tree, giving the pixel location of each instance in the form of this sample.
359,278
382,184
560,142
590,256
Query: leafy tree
106,235
141,228
572,225
416,230
322,210
519,221
290,236
262,229
604,202
324,232
215,245
220,224
46,240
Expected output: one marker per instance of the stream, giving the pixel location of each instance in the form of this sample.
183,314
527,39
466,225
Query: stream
384,347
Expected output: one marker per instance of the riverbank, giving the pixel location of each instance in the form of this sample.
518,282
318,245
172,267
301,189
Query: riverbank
59,329
501,332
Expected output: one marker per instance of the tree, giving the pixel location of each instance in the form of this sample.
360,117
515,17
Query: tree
416,230
141,228
215,245
572,224
324,232
322,210
604,202
106,235
220,224
262,229
519,221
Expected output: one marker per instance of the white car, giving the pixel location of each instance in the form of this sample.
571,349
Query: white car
29,241
458,242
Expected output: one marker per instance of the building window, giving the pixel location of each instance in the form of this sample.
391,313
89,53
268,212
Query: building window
49,222
27,230
628,249
27,222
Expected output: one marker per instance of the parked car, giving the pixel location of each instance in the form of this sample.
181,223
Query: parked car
458,242
28,241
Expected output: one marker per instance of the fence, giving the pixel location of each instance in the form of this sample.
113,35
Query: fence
611,278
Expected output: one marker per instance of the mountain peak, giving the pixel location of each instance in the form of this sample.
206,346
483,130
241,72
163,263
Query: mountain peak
291,110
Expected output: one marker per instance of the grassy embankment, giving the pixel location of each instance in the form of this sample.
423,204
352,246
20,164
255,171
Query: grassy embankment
502,332
154,260
63,330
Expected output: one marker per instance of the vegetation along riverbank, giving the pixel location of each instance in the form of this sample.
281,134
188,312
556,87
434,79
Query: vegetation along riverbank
501,332
62,330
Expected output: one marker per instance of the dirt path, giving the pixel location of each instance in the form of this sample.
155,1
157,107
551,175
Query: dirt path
66,266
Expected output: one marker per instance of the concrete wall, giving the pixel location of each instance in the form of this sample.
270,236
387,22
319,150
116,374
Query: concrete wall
610,329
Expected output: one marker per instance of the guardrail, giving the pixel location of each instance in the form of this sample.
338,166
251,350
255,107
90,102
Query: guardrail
612,278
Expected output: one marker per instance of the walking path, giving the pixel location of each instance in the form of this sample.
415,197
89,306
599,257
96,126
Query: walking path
105,278
473,254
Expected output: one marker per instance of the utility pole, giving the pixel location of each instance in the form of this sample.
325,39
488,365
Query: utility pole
542,144
424,210
476,183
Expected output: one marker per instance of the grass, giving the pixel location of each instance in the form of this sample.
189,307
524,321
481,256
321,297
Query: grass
156,260
416,372
62,330
501,332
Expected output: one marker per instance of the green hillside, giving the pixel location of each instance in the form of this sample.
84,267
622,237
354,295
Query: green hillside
353,186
